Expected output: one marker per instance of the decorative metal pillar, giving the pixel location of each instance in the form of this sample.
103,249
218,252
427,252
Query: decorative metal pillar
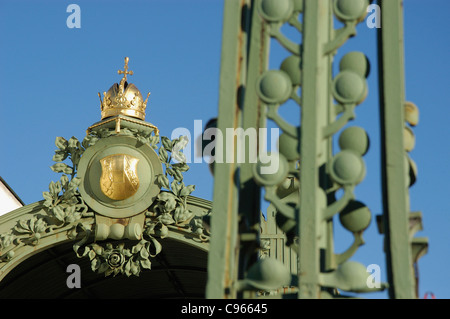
223,256
235,224
303,190
253,120
321,272
398,169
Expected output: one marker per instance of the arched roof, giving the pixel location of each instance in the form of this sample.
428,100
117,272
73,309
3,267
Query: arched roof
40,270
179,271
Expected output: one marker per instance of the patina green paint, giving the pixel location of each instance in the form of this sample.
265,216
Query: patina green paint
301,193
223,256
252,117
396,209
314,148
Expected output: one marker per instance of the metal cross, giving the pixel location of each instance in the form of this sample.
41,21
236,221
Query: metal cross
125,72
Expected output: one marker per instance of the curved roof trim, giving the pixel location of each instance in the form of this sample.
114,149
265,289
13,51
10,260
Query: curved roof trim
17,246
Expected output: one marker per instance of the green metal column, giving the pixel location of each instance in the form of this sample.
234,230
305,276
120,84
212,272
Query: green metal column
394,167
234,247
222,262
252,120
314,148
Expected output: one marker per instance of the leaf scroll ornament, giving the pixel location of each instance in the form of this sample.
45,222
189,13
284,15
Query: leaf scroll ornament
118,259
170,206
63,206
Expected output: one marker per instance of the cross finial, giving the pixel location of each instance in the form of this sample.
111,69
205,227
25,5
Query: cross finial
125,72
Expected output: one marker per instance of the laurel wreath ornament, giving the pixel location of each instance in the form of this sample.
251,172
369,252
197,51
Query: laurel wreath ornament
62,206
65,209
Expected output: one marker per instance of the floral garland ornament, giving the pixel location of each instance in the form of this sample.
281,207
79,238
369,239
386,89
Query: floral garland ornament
63,206
68,207
118,259
113,260
170,209
65,209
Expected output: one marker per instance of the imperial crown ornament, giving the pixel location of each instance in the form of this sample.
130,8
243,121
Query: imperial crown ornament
120,166
123,98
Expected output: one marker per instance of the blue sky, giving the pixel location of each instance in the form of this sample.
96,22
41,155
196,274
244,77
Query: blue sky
50,76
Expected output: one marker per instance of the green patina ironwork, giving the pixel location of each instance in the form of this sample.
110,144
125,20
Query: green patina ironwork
313,210
398,169
169,208
303,192
122,236
222,258
114,200
65,209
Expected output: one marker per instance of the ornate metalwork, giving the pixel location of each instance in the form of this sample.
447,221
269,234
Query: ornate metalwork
63,206
66,211
116,239
399,171
169,211
304,190
321,173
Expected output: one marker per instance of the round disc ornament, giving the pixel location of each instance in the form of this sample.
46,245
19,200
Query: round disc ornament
347,168
289,146
274,86
357,62
292,66
355,217
354,138
272,172
275,10
349,87
350,10
119,175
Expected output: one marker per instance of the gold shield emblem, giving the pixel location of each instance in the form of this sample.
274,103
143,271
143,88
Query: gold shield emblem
119,178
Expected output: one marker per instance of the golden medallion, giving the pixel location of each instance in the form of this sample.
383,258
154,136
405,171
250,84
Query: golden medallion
119,179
